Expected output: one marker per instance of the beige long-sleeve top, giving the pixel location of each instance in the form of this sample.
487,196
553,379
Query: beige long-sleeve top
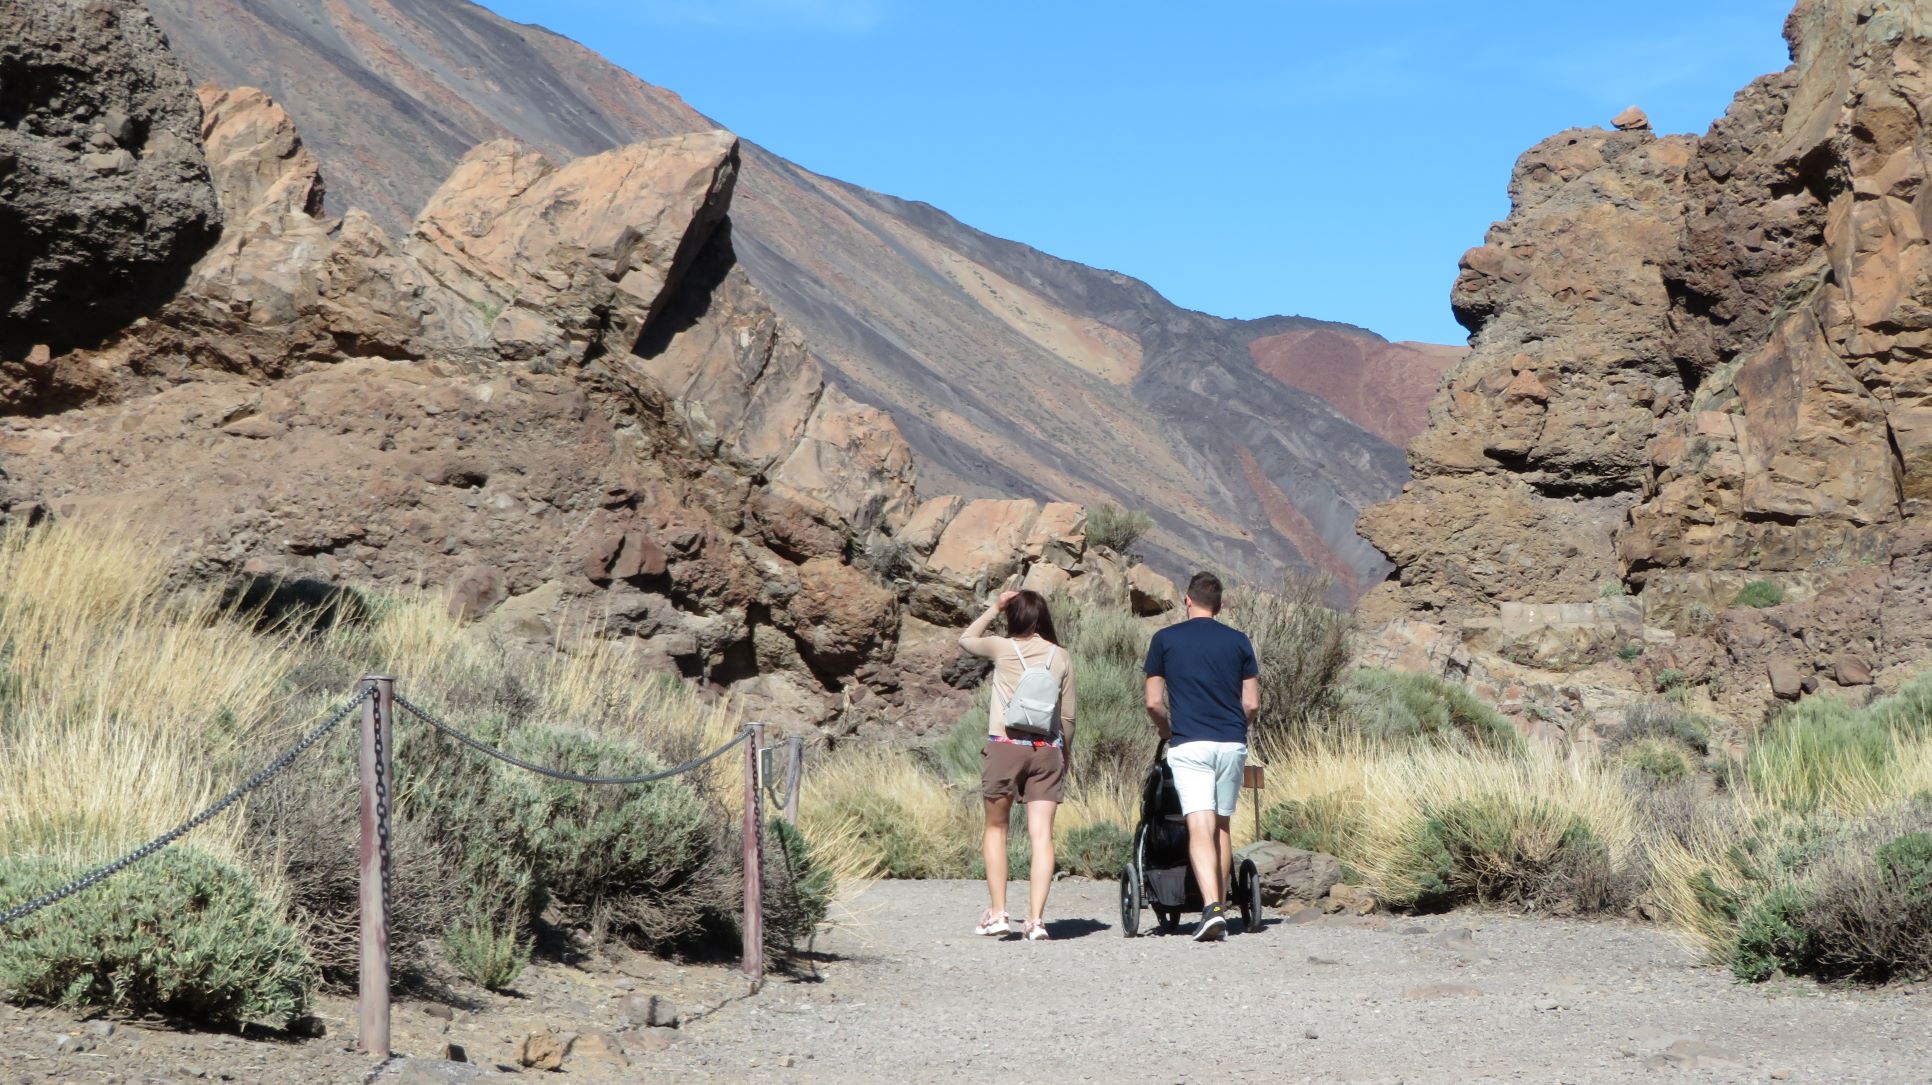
1007,668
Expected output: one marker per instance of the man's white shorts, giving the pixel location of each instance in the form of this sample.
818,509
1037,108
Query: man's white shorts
1208,775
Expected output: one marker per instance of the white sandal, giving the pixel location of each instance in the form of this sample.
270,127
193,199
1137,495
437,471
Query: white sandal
1036,932
991,922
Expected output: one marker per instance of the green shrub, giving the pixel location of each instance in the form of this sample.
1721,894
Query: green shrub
644,861
1658,761
1499,850
486,951
1116,528
1664,721
1400,707
1906,862
1612,589
1670,678
1772,936
1629,652
1759,593
1100,850
180,934
1302,646
1324,823
798,888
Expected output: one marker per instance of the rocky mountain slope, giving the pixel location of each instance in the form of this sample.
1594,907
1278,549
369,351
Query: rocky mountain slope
557,395
1699,366
1010,373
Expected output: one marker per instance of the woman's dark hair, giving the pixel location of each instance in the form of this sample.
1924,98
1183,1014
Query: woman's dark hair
1027,615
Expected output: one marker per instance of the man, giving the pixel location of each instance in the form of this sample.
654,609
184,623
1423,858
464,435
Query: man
1203,689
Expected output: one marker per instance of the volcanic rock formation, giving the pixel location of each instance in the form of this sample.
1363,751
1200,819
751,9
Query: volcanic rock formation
1010,373
559,398
104,200
1697,364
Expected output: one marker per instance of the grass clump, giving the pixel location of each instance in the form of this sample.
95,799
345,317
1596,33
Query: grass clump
1325,823
486,951
907,821
1760,594
1116,528
1658,761
182,934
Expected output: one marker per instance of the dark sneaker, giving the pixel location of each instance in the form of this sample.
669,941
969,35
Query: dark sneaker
1214,924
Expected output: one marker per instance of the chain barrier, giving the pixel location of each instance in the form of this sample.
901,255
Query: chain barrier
382,821
558,774
274,768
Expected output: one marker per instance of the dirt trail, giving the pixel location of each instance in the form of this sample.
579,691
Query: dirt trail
1385,999
906,993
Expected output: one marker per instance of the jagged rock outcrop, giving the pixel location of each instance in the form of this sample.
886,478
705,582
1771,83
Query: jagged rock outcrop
1699,365
558,397
1010,373
104,199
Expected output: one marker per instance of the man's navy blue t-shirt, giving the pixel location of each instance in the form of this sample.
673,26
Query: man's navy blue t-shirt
1204,663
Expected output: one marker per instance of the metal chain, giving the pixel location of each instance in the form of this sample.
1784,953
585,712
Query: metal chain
557,774
273,769
382,821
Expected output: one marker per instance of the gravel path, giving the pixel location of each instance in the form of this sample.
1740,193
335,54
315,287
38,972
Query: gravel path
905,994
912,995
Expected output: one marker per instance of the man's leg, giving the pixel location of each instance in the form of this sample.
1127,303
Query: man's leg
1224,846
1203,855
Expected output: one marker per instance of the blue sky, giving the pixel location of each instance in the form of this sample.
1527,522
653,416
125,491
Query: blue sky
1329,158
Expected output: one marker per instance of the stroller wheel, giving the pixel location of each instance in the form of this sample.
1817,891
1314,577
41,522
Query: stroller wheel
1247,895
1130,900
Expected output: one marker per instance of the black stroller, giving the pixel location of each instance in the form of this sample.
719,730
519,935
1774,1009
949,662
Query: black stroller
1158,875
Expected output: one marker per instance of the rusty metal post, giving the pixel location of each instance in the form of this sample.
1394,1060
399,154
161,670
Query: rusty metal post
794,776
754,924
377,768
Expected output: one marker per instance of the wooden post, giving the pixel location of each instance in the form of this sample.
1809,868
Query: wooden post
754,924
794,775
378,733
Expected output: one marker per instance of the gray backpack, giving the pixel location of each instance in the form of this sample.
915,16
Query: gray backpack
1030,710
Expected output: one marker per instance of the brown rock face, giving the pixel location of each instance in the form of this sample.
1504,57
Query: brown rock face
1731,346
1008,372
104,199
559,398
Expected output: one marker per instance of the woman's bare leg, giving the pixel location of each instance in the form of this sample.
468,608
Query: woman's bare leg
994,847
1039,830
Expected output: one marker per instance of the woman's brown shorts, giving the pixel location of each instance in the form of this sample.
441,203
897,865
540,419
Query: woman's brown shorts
1029,773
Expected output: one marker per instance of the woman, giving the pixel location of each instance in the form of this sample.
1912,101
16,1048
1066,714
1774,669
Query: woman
1029,734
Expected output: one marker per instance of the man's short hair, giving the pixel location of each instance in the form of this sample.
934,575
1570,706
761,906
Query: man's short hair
1205,590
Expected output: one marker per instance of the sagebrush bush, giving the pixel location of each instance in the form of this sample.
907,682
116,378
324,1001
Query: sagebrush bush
1099,850
1663,721
1398,707
1659,761
1760,594
798,887
1116,528
181,934
1494,849
1302,646
486,950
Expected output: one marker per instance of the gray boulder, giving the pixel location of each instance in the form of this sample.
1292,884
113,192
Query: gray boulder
1291,874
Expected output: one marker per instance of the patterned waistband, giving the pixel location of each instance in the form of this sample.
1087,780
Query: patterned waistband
1038,744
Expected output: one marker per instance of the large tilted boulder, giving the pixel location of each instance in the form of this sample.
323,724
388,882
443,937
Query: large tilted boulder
105,202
